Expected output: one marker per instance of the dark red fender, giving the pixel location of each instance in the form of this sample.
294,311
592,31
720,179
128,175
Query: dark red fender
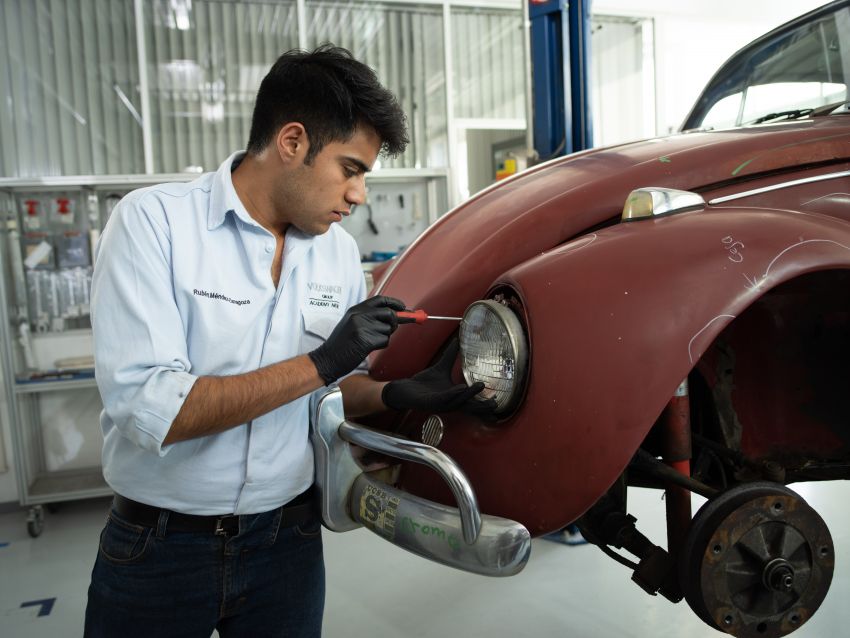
592,398
616,321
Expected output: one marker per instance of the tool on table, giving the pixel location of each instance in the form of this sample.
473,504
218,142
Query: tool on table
420,316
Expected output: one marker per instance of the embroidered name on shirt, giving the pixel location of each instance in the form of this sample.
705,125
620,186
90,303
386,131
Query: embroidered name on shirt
324,295
215,295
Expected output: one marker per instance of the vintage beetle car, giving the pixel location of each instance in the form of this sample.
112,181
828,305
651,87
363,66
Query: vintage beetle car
673,313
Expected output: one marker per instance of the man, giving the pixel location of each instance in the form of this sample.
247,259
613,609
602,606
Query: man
218,306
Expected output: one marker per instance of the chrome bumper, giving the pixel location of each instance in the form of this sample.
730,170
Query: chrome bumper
460,537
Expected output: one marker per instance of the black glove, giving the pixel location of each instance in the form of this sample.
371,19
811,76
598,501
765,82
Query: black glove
432,390
364,328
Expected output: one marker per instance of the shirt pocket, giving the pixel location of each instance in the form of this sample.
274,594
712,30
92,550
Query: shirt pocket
317,326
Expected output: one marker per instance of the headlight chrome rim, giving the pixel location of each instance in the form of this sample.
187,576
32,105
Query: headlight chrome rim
515,333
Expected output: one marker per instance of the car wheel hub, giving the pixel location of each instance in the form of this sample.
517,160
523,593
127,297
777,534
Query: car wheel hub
758,561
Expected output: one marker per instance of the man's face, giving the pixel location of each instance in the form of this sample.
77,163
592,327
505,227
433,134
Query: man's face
323,192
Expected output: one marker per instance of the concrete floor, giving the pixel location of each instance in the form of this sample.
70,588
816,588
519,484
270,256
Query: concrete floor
378,590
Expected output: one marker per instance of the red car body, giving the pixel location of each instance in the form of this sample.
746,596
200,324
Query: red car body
618,314
698,347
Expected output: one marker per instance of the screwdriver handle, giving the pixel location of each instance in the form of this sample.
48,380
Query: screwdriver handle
412,316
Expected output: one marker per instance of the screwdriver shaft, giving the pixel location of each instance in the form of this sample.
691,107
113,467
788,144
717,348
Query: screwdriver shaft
420,316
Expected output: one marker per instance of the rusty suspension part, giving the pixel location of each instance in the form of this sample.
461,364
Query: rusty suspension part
645,462
676,446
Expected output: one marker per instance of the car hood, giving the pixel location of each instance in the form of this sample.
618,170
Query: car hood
457,259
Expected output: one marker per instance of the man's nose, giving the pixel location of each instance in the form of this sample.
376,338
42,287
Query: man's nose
356,194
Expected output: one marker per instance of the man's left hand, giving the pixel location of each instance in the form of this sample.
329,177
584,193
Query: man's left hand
433,390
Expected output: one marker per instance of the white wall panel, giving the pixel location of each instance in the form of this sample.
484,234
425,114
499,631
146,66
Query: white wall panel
75,100
69,73
403,43
206,59
488,53
622,81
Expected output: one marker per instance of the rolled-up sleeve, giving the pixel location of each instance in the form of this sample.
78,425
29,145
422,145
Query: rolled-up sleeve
141,360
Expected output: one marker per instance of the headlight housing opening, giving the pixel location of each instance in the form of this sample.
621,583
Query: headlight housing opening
494,351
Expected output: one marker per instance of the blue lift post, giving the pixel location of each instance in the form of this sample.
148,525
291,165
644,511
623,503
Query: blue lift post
560,58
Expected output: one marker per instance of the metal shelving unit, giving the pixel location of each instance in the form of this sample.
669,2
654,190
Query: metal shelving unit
29,346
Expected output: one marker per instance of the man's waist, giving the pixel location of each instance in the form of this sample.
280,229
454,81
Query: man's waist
298,510
207,477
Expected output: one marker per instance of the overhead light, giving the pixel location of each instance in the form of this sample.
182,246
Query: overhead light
180,10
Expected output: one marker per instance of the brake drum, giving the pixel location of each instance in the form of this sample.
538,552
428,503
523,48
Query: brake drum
757,562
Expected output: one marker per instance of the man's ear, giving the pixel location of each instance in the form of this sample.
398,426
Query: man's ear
292,143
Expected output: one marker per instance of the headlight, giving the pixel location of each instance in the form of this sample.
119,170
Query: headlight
493,350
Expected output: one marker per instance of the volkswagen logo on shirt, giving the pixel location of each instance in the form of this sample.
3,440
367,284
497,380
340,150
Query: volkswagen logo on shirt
324,295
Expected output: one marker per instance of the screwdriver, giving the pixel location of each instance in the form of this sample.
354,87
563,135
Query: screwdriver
420,316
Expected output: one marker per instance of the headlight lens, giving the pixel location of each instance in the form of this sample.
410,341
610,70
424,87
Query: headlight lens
494,351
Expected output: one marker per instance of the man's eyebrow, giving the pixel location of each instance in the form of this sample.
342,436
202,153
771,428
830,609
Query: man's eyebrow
360,165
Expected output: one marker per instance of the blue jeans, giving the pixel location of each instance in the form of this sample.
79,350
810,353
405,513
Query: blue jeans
267,580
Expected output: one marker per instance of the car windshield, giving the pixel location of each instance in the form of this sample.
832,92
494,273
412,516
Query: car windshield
782,77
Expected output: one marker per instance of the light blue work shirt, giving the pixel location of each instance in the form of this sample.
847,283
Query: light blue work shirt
182,288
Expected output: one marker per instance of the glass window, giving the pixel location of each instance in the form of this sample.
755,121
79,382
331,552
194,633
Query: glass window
801,70
69,73
765,99
804,68
404,44
724,113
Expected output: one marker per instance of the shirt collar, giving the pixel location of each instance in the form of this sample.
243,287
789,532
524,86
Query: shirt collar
223,200
223,197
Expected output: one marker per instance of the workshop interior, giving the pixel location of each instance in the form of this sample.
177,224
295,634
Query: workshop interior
633,218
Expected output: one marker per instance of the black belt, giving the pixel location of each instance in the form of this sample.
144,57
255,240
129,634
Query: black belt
298,510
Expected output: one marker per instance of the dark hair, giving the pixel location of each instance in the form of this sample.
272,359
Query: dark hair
331,94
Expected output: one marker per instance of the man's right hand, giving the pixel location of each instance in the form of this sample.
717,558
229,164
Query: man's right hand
364,328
